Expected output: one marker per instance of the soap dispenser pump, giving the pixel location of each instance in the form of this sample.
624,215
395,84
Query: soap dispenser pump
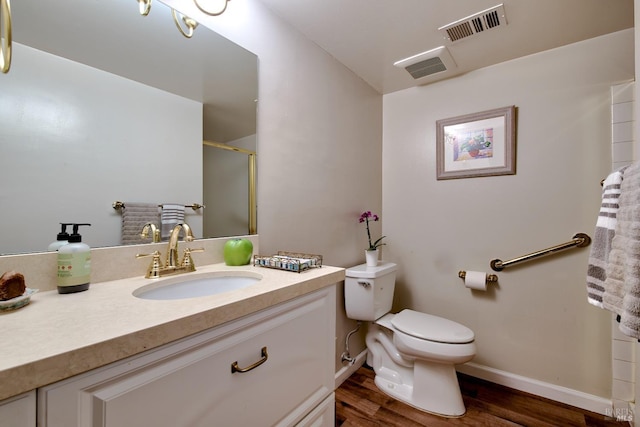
74,264
61,239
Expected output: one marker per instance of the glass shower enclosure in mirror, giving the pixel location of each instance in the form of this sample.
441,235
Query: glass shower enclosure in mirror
103,104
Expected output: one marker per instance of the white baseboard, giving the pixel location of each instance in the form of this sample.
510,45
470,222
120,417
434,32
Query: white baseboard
561,394
346,371
558,393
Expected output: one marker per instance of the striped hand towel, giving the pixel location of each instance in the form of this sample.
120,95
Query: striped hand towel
172,214
134,217
622,285
604,232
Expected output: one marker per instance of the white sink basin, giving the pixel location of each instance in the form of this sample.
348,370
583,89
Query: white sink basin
197,285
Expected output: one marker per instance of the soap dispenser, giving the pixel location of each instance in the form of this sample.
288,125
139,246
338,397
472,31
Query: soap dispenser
74,264
61,239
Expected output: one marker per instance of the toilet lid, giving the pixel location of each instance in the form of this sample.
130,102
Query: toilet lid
432,328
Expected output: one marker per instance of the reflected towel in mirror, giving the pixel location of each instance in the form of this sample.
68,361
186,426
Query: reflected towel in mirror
172,214
134,217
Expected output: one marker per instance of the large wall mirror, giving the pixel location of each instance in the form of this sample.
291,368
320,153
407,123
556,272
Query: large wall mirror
103,104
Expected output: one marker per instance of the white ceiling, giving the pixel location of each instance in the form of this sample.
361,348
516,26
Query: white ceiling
368,36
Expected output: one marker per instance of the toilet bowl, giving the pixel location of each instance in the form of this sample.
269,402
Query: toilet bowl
413,354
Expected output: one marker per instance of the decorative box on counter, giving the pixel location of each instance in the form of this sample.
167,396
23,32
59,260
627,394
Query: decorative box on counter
289,261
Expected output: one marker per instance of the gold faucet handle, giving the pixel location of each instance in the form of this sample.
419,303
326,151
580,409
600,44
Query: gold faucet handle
153,272
187,261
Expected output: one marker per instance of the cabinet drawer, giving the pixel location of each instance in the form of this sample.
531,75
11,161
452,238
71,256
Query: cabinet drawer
192,383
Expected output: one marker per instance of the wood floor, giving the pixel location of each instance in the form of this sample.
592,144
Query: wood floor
360,403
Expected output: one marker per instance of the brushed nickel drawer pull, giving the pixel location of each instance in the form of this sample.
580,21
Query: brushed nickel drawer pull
235,368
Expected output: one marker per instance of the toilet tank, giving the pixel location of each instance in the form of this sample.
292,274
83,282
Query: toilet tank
368,291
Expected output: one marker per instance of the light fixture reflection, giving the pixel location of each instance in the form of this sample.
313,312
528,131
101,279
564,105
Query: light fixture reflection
144,6
185,25
212,7
189,24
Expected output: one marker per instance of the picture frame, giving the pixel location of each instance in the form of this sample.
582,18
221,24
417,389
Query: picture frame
476,145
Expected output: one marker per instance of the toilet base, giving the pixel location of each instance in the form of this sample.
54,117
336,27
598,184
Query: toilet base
431,386
435,389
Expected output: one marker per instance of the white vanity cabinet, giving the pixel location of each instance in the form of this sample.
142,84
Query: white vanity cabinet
287,351
19,411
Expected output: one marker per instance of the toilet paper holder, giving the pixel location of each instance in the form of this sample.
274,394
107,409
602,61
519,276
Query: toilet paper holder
491,278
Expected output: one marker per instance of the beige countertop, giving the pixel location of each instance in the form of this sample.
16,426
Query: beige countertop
57,336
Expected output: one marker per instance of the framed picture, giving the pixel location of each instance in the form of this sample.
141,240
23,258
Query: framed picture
479,144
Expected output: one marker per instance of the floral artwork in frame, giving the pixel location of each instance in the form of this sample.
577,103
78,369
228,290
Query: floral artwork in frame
479,144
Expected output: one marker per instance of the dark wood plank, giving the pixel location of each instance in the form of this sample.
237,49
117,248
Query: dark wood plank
359,403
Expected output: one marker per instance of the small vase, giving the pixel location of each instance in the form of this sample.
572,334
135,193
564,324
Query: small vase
371,257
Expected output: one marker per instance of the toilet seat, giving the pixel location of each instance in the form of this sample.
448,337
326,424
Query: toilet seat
432,328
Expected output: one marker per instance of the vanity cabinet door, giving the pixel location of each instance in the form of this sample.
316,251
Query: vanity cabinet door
323,415
19,411
192,383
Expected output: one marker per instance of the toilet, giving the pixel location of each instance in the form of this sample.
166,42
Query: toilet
413,354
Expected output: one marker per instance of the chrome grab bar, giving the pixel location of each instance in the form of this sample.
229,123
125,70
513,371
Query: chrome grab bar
580,240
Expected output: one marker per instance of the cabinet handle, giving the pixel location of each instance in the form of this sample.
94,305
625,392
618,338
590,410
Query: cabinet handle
235,368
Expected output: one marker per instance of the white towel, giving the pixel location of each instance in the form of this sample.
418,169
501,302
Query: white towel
622,285
603,235
134,217
172,214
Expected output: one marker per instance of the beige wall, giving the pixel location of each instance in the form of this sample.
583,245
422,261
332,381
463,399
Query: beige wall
536,323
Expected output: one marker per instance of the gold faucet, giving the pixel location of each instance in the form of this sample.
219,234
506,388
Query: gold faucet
172,266
172,248
155,232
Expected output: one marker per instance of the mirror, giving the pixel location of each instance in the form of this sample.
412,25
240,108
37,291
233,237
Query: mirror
102,104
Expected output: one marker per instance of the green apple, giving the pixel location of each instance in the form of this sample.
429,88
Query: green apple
238,251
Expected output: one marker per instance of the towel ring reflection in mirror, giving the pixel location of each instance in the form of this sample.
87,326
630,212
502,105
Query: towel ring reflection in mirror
5,35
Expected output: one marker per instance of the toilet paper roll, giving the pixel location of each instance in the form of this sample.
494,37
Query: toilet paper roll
476,280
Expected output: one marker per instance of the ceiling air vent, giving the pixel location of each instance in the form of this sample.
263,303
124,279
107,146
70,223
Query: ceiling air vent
478,22
424,64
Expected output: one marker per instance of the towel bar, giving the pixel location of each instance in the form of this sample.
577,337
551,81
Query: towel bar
120,205
194,206
580,240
